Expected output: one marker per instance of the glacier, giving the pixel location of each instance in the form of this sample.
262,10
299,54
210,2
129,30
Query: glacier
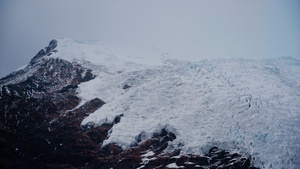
241,105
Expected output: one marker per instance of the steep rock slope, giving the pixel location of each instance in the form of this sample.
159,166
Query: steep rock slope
34,118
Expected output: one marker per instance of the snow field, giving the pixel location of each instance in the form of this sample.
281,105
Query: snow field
251,107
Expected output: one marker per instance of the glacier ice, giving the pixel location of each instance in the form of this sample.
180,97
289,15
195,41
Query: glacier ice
248,106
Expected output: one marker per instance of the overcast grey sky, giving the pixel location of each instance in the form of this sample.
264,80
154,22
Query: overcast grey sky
189,28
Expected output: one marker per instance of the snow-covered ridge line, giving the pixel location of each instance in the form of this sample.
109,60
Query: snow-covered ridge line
23,72
111,56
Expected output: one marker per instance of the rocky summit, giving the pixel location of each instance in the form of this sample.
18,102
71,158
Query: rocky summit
45,118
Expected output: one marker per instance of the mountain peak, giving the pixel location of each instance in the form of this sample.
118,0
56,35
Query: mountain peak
47,51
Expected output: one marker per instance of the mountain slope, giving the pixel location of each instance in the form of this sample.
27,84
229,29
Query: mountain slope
94,104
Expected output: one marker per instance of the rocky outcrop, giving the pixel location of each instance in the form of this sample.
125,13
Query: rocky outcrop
47,51
35,114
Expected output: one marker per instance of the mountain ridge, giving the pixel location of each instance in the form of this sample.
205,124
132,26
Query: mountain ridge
152,102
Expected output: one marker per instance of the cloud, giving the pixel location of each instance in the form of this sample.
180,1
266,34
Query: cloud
188,29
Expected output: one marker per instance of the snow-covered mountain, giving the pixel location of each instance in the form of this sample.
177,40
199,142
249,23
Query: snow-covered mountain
122,97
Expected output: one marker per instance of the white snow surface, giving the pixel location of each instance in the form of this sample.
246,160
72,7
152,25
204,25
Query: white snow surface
173,165
247,106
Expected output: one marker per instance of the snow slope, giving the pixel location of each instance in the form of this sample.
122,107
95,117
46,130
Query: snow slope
251,107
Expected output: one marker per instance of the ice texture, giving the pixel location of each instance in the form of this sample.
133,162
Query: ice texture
247,106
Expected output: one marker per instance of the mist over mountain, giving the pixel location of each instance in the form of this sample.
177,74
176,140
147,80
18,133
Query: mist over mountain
188,29
112,104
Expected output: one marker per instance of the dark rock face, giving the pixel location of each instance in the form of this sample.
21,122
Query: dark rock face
126,87
47,51
40,127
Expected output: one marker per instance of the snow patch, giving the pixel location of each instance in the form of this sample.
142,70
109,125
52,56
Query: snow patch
174,165
146,159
